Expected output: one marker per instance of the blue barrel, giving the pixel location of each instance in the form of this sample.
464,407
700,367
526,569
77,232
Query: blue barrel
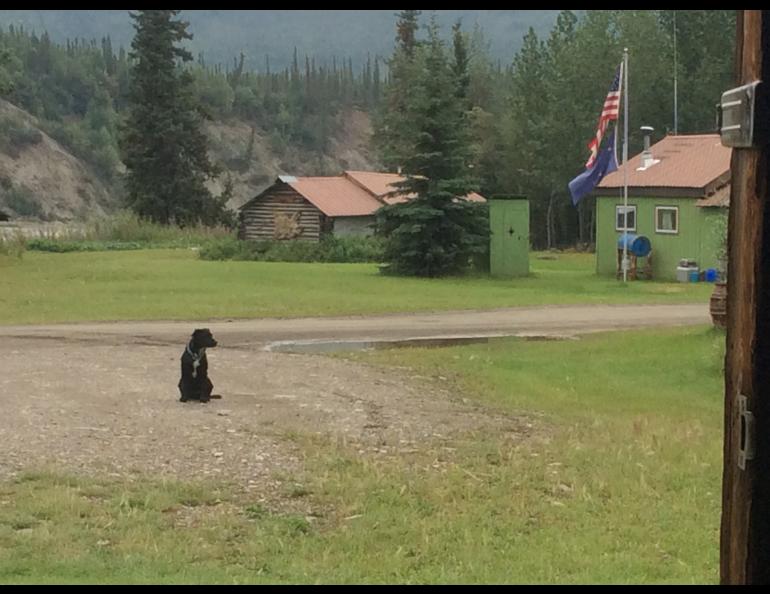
711,275
694,276
638,245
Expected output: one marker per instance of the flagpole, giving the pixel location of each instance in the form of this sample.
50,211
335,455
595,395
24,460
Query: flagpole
625,163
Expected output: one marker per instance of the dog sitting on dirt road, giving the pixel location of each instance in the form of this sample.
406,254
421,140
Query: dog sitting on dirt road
195,383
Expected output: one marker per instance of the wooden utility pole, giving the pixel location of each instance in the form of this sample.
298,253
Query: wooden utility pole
745,530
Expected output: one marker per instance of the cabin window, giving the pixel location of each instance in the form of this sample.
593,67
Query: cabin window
667,219
630,213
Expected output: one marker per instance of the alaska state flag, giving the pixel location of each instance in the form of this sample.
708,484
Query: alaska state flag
605,163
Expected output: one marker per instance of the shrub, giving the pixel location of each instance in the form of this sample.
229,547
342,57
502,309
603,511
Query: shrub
221,249
62,246
24,135
21,200
127,226
329,249
352,249
127,231
96,147
15,135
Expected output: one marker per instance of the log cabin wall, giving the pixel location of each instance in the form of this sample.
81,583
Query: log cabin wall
280,213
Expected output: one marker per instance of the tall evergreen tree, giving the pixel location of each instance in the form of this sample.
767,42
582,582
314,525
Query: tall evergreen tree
461,63
525,134
485,98
394,121
163,145
108,56
436,233
376,83
406,30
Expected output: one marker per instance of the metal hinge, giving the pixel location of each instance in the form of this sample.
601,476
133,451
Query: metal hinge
746,446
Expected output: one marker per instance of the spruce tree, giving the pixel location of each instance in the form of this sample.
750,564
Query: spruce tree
376,81
437,232
406,30
460,65
393,122
162,143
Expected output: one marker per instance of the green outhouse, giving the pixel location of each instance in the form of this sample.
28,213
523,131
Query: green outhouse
509,236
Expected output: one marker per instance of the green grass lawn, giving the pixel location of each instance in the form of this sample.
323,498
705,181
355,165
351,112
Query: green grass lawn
619,482
175,284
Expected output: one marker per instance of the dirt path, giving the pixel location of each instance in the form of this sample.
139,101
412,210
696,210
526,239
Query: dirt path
99,409
102,398
575,319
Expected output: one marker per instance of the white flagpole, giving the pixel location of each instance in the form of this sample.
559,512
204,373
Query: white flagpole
625,163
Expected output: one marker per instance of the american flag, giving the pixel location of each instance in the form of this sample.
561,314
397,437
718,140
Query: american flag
610,112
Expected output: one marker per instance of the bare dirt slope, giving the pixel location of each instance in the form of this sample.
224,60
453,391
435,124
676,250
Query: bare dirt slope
247,155
63,186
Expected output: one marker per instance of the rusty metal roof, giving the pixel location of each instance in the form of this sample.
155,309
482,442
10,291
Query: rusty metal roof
475,197
336,196
375,183
353,194
381,184
694,161
720,198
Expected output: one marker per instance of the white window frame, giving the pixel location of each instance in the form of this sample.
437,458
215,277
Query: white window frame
631,208
667,231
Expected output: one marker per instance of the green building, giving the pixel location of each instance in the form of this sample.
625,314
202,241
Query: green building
677,191
508,236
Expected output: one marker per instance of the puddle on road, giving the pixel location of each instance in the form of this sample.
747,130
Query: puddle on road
335,346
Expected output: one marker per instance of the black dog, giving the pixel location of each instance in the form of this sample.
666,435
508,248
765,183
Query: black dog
195,383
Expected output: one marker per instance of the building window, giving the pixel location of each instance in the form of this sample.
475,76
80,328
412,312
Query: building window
631,214
667,219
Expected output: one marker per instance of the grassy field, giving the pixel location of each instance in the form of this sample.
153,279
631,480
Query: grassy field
175,284
619,482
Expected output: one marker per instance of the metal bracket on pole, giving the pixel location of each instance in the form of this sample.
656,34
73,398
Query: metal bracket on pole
746,445
742,116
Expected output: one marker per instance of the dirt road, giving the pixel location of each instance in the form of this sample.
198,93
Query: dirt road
577,319
102,399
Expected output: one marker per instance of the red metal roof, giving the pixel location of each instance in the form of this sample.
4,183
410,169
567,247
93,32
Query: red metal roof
691,161
353,194
336,196
475,197
375,183
381,184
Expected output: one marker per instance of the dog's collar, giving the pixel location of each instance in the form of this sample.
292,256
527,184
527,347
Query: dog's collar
196,357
